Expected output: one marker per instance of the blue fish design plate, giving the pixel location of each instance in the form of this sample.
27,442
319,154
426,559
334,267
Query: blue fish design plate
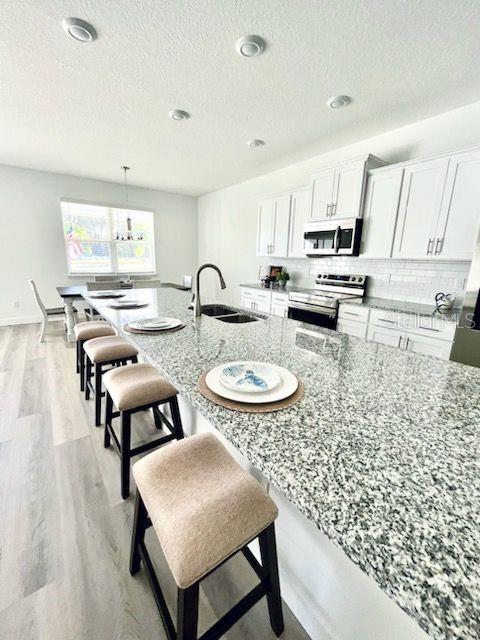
249,377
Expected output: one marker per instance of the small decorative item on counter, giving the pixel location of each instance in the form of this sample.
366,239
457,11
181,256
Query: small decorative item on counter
282,278
444,302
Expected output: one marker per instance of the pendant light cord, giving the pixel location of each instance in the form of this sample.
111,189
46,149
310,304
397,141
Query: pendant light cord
125,169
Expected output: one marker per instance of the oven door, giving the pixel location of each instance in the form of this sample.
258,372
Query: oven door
319,316
330,238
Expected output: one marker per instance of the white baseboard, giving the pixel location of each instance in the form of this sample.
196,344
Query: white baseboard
5,322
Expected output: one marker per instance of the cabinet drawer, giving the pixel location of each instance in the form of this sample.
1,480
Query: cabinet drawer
352,328
280,298
261,296
247,293
353,312
429,326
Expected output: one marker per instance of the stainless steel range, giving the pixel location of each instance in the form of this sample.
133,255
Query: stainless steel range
320,306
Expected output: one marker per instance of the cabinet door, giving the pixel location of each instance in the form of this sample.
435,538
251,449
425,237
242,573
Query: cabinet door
264,307
266,227
459,217
247,303
380,213
352,328
383,335
428,346
281,227
420,204
280,310
321,195
298,215
348,190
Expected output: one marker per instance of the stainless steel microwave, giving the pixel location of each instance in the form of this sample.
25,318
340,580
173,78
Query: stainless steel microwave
332,237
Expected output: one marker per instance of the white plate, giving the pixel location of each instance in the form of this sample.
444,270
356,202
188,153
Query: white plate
286,388
156,324
128,304
250,377
106,294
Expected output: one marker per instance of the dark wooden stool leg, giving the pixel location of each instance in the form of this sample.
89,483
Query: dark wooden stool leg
176,418
139,526
78,356
108,419
88,376
187,613
98,394
81,356
125,417
134,359
268,552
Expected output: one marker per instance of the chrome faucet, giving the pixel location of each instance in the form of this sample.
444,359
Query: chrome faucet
196,296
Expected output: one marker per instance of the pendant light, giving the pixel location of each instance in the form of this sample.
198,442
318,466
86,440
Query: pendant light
129,235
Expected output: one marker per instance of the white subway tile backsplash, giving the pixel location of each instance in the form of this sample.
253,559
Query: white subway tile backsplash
411,280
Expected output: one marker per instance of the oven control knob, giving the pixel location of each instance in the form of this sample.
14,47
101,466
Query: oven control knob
353,279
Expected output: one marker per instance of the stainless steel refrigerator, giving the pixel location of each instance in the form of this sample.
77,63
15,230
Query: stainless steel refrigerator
466,347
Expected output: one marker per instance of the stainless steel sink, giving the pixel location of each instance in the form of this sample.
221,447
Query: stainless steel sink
217,310
238,318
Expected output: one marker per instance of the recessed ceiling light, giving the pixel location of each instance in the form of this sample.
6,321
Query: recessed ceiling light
178,114
250,46
255,142
79,29
336,102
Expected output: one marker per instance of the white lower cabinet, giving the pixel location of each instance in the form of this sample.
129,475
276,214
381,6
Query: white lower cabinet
265,301
418,334
280,310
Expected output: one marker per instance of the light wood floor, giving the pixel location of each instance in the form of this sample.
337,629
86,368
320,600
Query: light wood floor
64,529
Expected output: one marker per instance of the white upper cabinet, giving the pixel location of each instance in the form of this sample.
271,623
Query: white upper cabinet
266,227
282,222
322,194
299,209
338,192
348,190
380,212
420,202
273,226
460,212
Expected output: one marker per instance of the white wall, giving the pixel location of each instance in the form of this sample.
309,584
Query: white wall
227,219
32,237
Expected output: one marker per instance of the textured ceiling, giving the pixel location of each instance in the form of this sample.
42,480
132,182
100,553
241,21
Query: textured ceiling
86,109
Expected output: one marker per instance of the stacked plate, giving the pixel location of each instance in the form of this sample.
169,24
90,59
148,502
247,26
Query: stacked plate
106,294
156,324
128,304
251,382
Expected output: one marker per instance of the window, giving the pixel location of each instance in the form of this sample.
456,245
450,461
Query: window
101,239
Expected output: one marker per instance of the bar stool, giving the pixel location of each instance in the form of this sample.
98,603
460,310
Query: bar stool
86,331
109,351
138,387
204,509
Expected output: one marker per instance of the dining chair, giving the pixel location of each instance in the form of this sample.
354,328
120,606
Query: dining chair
48,313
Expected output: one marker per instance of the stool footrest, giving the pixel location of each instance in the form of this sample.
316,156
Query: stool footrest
152,445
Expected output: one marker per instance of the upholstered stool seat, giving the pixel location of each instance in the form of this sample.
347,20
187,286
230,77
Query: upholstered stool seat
109,348
104,352
136,388
204,508
86,331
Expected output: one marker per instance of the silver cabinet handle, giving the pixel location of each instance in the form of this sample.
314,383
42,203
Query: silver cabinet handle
406,344
334,209
328,210
430,247
439,246
428,328
389,321
350,313
400,342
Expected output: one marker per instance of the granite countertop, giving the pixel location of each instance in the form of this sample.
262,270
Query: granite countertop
382,453
385,304
403,306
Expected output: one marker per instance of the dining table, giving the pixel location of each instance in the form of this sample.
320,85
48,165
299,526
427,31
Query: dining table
70,293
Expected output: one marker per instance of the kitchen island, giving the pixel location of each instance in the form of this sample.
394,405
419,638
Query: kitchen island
381,454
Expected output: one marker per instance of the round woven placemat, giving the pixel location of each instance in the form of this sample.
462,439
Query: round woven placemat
129,329
266,407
